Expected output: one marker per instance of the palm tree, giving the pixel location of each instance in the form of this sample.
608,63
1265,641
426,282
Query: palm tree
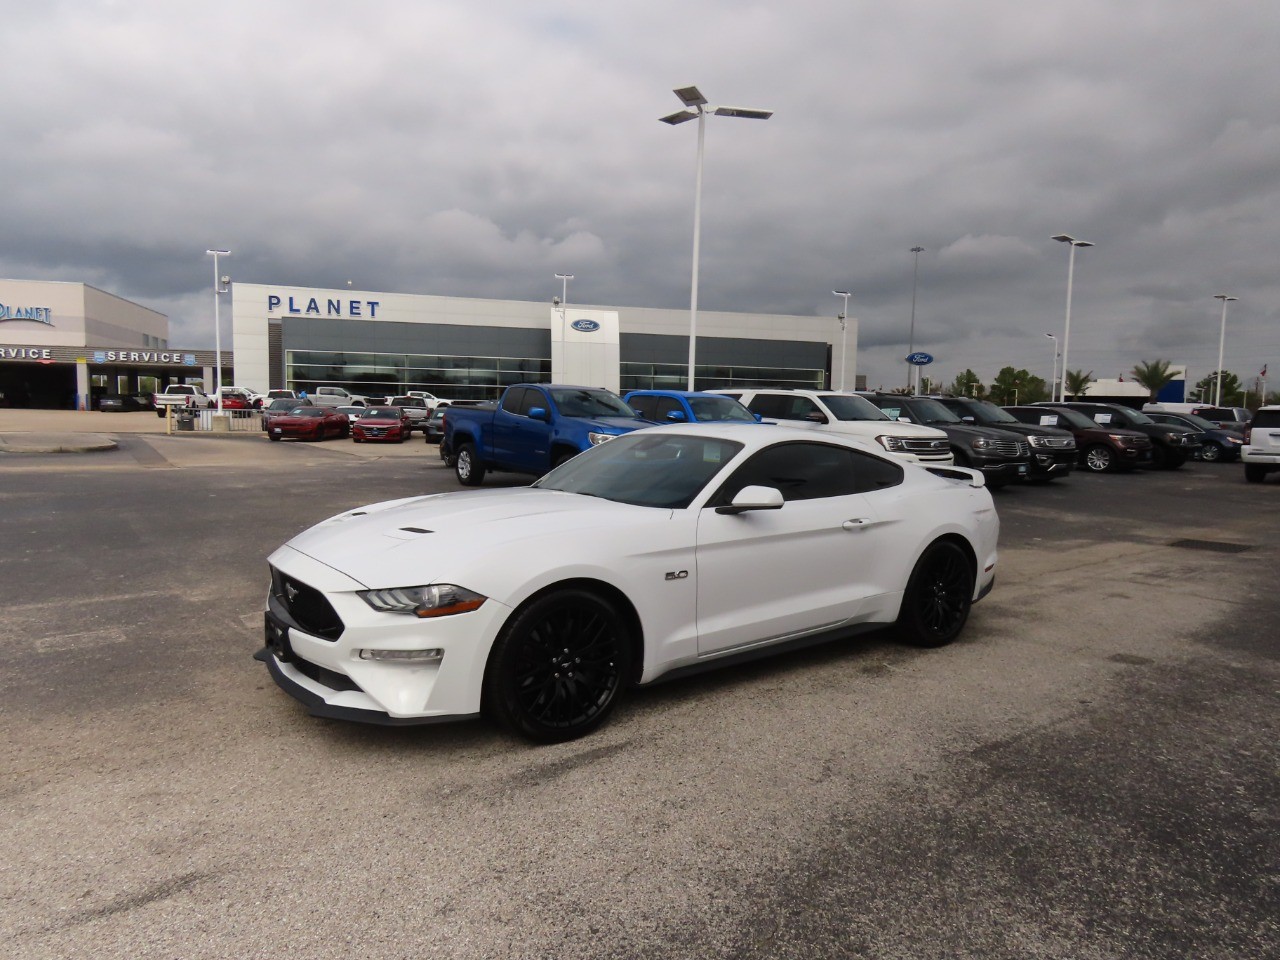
1154,375
1076,381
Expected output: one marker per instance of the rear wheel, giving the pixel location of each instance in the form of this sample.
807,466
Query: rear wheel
467,466
1254,472
558,665
938,597
1099,458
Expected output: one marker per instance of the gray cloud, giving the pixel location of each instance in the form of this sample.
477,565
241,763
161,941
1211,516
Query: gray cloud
476,149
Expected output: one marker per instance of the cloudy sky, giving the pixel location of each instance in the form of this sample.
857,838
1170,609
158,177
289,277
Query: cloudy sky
475,148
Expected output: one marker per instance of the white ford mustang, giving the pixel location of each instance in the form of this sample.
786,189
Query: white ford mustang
664,550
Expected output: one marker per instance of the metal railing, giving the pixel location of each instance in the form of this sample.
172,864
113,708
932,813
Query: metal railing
237,421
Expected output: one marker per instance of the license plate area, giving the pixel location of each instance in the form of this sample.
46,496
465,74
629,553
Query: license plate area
276,635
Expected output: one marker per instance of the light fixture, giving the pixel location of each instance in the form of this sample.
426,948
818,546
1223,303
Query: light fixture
1071,272
1222,341
692,97
217,323
911,336
844,319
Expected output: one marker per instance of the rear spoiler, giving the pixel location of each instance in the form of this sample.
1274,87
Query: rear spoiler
973,478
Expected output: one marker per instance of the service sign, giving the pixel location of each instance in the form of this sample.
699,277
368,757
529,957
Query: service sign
920,359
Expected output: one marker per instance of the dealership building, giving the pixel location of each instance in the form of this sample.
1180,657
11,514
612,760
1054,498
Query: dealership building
64,345
462,348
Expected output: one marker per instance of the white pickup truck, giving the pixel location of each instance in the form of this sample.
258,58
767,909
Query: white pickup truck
335,397
181,395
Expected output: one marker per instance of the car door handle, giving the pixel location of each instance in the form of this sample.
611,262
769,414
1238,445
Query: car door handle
855,523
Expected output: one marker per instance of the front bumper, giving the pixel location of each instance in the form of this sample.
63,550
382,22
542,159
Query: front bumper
329,677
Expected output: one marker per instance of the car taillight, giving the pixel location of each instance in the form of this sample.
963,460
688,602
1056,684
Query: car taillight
1247,431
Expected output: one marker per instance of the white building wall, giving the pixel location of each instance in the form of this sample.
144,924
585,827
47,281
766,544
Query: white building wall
78,316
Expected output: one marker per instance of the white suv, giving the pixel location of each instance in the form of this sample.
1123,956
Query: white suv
849,415
1261,453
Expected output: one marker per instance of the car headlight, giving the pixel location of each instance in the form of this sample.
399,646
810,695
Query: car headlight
599,438
436,600
1236,440
891,443
982,444
1121,439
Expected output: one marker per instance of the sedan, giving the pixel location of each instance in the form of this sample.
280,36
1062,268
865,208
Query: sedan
1220,444
382,424
434,429
309,423
668,549
281,407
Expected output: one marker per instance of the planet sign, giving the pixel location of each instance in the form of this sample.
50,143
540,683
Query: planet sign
920,359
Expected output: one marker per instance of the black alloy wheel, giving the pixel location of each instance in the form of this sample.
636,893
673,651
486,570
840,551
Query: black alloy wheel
1099,458
558,666
936,603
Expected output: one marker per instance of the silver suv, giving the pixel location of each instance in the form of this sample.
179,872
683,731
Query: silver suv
1261,453
846,414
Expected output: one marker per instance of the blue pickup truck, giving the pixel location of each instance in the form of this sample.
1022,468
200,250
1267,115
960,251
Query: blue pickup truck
684,406
534,427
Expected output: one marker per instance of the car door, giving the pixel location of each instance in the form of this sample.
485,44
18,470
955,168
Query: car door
522,441
765,575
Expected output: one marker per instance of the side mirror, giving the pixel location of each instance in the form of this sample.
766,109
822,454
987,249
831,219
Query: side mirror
816,417
677,416
969,419
759,418
539,413
754,498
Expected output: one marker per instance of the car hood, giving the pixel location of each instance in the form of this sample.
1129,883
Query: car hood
968,431
611,424
890,428
443,537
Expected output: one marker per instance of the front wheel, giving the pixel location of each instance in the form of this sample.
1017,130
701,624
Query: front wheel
1099,458
467,466
1211,452
558,665
938,597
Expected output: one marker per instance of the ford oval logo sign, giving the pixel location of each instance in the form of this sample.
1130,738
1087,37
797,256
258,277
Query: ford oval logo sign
585,326
920,359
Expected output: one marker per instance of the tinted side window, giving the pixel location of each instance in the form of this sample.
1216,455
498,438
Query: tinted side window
768,405
665,406
513,399
873,473
1266,419
802,471
645,406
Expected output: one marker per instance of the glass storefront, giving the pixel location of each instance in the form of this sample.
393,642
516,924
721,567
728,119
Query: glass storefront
674,376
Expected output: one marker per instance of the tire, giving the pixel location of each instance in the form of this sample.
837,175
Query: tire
160,412
558,665
936,603
1211,452
273,438
1255,472
1099,458
467,466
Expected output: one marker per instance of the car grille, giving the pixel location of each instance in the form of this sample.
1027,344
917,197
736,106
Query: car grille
1010,449
936,447
307,605
1054,443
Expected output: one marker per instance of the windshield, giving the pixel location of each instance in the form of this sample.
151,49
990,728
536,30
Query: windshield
987,412
1133,416
1072,417
307,412
708,409
590,403
643,468
847,407
1200,423
380,413
930,411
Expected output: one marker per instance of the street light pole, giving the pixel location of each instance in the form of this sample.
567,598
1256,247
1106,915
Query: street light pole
1222,341
1071,273
692,98
1053,382
564,289
844,319
217,324
911,341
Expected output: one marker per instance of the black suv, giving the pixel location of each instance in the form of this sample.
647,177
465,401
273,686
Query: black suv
1171,446
1000,456
1053,450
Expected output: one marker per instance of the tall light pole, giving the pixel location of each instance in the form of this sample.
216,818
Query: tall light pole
1053,382
217,322
564,278
1071,273
1222,341
844,319
692,98
911,339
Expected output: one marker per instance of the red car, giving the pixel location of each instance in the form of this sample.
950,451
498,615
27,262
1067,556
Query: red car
309,423
386,424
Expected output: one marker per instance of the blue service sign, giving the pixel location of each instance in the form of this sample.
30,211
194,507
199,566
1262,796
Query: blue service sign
920,359
585,326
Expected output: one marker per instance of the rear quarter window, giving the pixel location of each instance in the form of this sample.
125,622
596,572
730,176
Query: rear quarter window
1266,418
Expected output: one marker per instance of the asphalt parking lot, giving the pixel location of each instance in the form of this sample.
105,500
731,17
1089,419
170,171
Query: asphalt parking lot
1090,772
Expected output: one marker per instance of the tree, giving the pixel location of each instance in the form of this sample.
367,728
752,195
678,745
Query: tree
966,384
1206,389
1155,375
1017,386
1076,381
